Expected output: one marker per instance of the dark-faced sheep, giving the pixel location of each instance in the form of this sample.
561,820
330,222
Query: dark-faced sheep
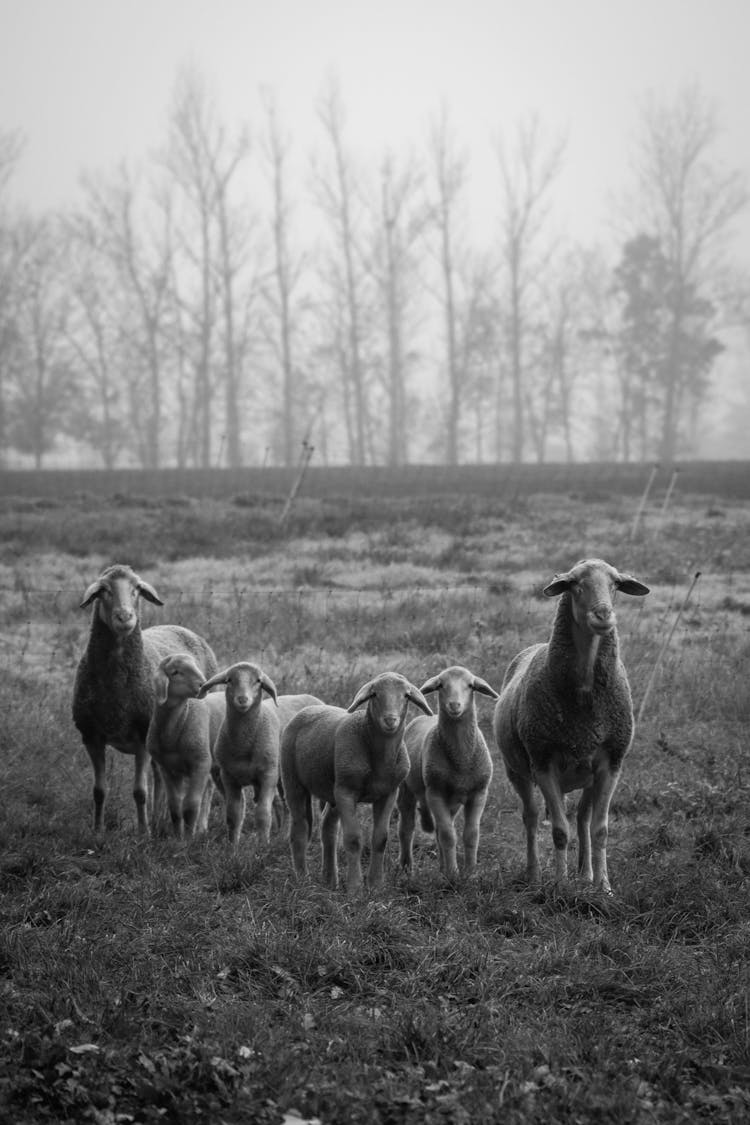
564,719
113,694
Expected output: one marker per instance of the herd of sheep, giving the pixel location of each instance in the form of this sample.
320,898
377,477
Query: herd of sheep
563,721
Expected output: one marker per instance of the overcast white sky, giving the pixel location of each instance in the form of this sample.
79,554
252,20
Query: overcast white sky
89,82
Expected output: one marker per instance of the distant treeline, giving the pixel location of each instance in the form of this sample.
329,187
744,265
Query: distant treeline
720,479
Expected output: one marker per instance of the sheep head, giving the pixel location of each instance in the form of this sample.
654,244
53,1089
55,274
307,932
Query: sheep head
387,697
177,677
456,687
116,591
592,584
245,683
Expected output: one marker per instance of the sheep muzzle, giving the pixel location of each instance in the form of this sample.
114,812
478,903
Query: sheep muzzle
601,619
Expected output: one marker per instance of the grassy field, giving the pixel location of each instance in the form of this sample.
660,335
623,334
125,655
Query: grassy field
148,981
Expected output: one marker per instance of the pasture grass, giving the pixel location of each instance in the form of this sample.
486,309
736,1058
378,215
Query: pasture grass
154,981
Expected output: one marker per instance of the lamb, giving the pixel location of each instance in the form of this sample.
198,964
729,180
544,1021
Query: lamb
449,767
246,748
113,694
346,757
564,718
181,733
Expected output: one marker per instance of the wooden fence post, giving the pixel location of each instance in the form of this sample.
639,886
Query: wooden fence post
304,461
644,498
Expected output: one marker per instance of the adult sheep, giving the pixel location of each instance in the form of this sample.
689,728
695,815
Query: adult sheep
345,757
113,694
564,718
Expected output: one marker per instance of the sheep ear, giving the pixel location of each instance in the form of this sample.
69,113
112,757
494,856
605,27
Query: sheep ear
361,697
630,585
93,591
559,584
219,678
269,687
483,688
161,685
414,695
431,685
148,592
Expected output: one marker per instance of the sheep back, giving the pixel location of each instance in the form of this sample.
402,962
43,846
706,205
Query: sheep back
308,750
290,705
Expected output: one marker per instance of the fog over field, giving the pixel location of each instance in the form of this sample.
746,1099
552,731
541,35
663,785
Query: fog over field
404,233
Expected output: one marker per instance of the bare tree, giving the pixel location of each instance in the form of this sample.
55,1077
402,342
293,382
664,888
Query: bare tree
92,336
280,294
204,161
41,378
562,333
688,204
131,228
528,172
403,217
451,172
11,147
339,199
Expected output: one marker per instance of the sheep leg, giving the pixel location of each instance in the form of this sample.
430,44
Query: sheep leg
264,799
473,810
175,791
524,786
443,813
346,803
605,783
583,823
140,787
381,819
235,807
407,806
194,814
216,778
549,783
97,752
329,835
154,801
300,826
279,809
205,804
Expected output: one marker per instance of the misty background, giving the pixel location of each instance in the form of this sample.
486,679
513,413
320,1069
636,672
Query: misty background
426,232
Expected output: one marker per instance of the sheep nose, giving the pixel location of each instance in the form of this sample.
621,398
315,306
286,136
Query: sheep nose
454,707
390,722
241,700
603,615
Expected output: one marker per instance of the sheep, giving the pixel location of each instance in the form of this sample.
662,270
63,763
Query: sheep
449,767
246,748
564,718
345,757
181,733
113,693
